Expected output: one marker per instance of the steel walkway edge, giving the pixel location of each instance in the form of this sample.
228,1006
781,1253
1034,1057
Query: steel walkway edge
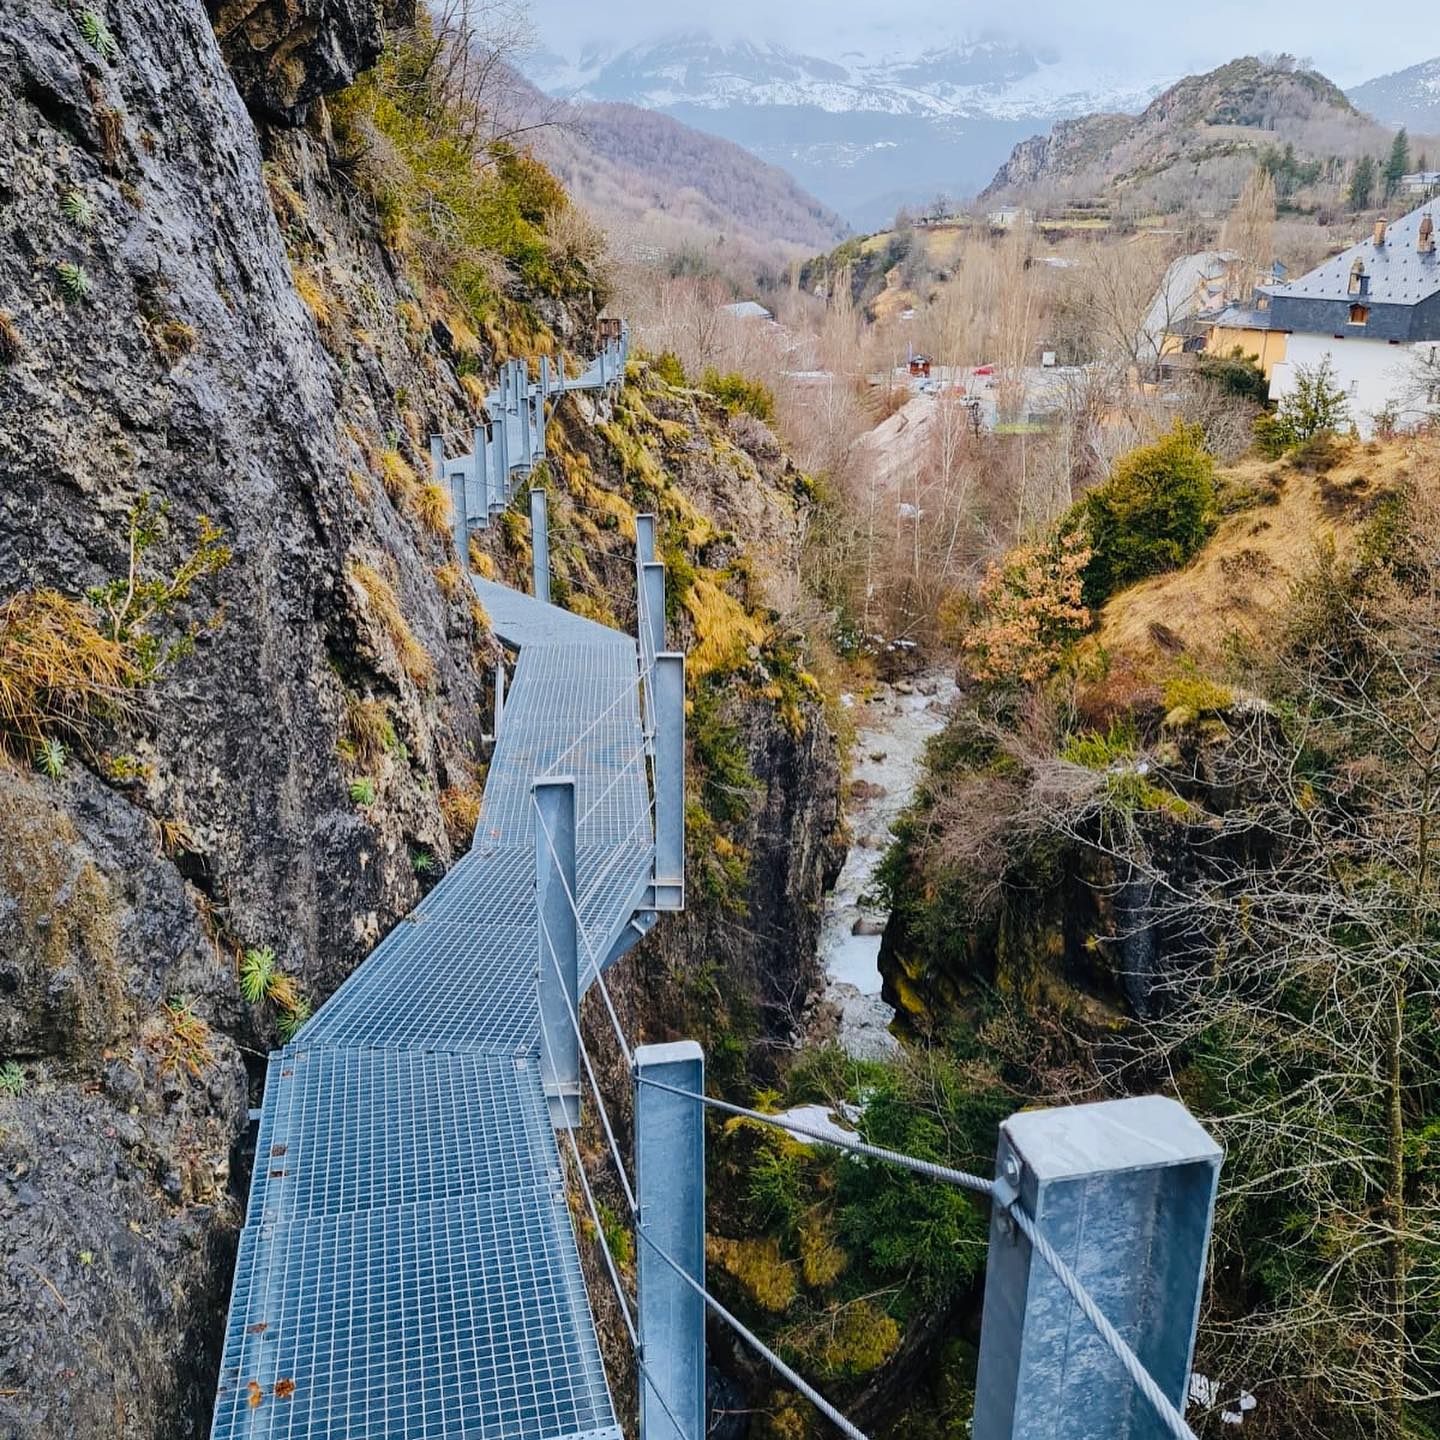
408,1266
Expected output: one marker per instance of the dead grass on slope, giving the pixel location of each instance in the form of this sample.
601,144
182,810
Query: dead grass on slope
1244,574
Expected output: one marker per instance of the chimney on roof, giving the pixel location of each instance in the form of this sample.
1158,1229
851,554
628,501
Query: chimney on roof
1425,240
1380,232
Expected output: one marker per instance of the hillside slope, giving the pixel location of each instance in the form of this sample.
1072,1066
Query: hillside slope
657,184
1194,143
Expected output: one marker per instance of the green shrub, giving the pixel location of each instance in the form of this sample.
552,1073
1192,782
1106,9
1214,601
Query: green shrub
1152,514
1315,408
1236,374
667,367
736,392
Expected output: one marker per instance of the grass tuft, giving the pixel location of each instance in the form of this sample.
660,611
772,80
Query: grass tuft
58,671
384,607
432,508
74,282
12,342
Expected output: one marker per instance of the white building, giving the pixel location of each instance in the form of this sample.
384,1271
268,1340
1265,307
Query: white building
1374,312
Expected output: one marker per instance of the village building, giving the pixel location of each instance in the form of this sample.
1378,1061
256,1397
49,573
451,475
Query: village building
1374,312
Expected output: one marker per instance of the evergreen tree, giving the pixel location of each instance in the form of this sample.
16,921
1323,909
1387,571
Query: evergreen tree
1398,165
1362,184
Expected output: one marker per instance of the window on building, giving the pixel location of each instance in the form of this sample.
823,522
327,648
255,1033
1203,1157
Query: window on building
1432,395
1359,280
1359,314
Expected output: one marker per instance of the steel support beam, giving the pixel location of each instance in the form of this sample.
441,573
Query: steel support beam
499,697
502,454
644,539
652,576
670,1193
482,475
668,680
540,545
1124,1190
558,938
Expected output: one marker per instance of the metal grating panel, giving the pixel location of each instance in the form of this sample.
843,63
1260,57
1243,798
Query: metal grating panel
461,1318
351,1130
408,1266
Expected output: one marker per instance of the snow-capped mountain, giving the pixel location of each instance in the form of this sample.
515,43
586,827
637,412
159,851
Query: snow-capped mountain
1408,97
863,131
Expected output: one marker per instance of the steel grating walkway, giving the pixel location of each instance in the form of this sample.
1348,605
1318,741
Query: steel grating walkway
408,1265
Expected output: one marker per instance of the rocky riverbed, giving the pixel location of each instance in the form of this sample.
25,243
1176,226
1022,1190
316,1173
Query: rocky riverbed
893,725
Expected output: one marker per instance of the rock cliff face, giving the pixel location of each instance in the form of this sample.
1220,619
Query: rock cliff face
200,326
157,346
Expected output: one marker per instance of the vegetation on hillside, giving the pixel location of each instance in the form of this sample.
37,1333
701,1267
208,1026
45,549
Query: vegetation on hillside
1211,873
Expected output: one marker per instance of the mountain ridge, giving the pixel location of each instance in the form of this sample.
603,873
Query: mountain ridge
1409,97
1193,143
863,133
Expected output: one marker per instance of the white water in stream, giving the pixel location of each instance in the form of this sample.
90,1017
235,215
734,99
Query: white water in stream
893,727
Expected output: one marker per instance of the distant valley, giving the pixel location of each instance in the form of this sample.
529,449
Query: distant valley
864,134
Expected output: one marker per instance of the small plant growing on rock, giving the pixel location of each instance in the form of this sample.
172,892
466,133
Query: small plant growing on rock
12,1080
362,791
50,757
292,1021
98,36
74,282
135,601
257,971
187,1045
422,862
12,343
77,209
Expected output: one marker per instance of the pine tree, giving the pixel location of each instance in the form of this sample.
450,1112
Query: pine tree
1398,165
1362,184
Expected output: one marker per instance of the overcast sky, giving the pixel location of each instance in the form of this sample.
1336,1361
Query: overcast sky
1152,38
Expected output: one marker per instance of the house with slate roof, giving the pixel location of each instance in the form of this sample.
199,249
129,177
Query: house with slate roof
1374,311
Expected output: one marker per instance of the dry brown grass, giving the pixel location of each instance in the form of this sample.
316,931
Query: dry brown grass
311,288
57,670
1244,574
432,508
12,343
369,731
398,476
460,810
383,606
450,580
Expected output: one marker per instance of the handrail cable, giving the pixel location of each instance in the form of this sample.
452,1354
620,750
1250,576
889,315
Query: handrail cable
928,1168
584,939
589,1069
756,1343
1134,1367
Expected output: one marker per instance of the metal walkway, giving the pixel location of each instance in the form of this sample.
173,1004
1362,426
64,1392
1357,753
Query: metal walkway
408,1266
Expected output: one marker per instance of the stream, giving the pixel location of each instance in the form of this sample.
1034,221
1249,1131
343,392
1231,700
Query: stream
892,728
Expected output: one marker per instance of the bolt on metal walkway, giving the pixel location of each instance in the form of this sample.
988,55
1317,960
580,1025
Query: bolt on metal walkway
408,1265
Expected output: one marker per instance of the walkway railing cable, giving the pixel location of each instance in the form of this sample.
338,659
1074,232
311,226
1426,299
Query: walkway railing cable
756,1343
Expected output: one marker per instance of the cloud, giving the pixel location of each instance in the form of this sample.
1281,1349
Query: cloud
1124,35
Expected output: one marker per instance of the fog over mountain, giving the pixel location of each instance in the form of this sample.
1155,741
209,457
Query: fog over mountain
870,109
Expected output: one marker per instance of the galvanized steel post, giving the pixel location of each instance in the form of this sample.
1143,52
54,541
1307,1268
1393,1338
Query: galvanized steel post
499,697
652,575
1124,1190
559,947
482,474
461,518
540,545
668,681
670,1193
644,539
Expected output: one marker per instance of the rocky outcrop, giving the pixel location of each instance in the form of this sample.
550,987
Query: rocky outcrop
157,352
284,54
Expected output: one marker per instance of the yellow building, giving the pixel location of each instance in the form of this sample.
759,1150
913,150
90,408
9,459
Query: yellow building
1250,331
